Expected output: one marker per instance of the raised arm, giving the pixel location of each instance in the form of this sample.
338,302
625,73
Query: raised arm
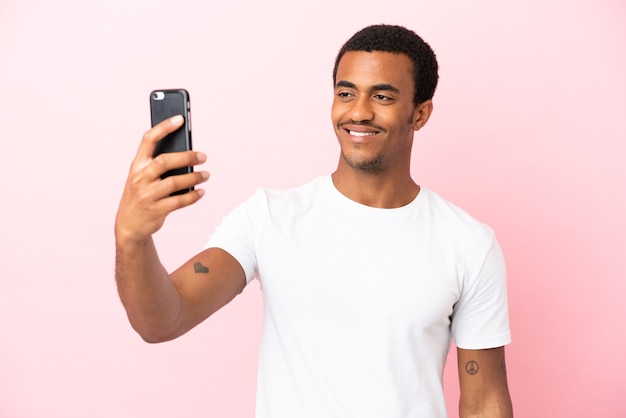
161,307
484,388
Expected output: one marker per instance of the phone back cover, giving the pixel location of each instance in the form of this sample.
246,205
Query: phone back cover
172,103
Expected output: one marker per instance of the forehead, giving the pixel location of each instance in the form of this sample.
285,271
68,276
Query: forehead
364,69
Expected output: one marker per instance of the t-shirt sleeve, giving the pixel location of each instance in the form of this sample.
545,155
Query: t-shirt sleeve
480,318
237,233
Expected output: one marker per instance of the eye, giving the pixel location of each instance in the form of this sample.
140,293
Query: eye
344,96
382,97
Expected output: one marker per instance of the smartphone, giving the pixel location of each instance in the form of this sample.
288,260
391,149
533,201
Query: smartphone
163,105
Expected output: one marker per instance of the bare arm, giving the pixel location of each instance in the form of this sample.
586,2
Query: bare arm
484,388
161,307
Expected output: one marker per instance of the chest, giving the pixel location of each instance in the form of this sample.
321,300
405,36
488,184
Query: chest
339,273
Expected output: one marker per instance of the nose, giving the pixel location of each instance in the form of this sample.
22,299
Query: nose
361,109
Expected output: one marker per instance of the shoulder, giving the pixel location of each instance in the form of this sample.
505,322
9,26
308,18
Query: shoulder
267,203
454,222
301,197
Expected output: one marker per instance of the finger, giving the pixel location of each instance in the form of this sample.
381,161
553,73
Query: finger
176,202
180,182
173,160
154,135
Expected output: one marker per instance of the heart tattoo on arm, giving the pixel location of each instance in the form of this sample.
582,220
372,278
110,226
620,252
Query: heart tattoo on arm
198,267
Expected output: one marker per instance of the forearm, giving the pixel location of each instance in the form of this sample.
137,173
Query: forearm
497,406
151,300
496,412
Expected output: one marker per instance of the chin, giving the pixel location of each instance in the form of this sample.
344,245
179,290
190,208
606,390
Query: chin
367,165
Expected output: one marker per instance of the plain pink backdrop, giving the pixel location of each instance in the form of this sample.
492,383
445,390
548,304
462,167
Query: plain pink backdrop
528,135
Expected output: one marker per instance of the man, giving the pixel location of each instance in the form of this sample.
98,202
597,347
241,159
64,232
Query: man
366,276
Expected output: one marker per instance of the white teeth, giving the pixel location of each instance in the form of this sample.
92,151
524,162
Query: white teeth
354,133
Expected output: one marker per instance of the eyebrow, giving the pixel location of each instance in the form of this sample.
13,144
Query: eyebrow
375,87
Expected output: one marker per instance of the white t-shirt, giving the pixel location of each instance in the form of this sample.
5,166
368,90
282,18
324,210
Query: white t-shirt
361,303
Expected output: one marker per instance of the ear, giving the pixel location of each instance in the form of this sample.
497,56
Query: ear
421,114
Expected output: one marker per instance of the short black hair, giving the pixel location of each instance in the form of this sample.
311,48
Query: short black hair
398,40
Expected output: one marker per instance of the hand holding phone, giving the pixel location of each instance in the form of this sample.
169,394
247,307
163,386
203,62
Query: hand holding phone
165,104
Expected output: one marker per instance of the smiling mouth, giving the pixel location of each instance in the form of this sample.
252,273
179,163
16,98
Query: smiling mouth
357,133
360,130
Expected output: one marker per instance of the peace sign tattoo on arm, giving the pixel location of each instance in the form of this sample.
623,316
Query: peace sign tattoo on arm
472,367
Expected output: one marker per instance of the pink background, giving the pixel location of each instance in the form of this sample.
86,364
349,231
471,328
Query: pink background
528,135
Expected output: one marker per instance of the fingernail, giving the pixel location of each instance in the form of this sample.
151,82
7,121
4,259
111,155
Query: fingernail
176,120
201,157
204,174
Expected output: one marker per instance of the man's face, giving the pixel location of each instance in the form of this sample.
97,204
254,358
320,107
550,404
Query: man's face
373,112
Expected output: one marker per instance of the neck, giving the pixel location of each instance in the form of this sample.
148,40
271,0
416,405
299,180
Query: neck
379,190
